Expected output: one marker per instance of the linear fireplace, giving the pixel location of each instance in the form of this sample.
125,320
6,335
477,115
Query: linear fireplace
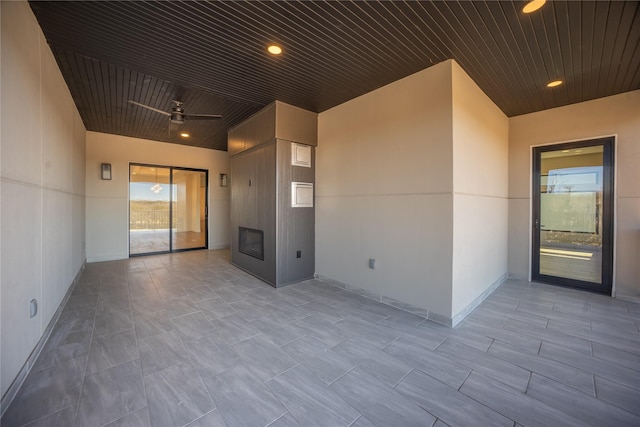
251,242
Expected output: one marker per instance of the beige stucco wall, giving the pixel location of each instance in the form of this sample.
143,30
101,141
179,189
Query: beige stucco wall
107,201
615,115
384,186
42,150
480,190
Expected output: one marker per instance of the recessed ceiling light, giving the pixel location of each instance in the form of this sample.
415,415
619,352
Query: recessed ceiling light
185,135
274,49
554,83
533,5
565,151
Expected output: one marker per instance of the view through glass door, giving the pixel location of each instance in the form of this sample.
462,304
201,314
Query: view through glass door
573,214
167,209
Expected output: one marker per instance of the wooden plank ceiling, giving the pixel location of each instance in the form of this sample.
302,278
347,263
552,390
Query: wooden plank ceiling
212,55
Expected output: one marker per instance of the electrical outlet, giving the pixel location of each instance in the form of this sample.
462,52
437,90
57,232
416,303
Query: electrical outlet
372,263
33,308
298,254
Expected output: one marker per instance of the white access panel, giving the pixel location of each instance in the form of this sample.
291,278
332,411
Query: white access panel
301,155
301,195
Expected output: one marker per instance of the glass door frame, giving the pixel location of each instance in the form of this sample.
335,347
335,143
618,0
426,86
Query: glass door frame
206,209
608,206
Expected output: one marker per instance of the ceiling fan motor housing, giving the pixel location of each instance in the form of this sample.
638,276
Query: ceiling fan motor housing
177,115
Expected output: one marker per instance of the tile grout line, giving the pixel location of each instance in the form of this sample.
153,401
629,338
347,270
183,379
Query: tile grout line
135,336
86,368
402,379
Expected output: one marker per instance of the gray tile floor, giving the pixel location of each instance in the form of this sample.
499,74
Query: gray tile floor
189,340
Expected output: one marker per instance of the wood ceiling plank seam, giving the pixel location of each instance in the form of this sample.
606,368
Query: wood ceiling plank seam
272,69
160,56
120,102
634,69
378,33
125,77
142,114
444,55
623,31
443,34
78,92
95,15
461,52
542,26
95,75
301,34
603,14
438,56
463,35
631,45
142,83
353,75
87,107
588,22
573,47
361,41
103,92
153,92
419,36
135,92
632,76
561,93
544,58
406,44
524,102
110,93
505,74
161,95
144,40
290,66
521,25
357,75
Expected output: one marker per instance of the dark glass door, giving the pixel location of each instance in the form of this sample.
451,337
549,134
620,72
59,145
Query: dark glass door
573,214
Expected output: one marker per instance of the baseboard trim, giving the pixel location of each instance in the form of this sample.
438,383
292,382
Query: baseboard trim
107,258
462,314
450,322
381,298
13,389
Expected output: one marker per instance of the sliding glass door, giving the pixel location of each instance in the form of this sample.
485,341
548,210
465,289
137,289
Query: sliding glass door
189,209
167,209
573,214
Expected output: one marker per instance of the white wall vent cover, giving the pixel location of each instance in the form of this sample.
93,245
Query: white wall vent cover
301,155
301,195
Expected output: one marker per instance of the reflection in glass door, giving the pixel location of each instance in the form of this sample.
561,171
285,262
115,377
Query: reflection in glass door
572,214
149,209
190,209
167,209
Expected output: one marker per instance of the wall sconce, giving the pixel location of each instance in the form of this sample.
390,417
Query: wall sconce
223,180
106,170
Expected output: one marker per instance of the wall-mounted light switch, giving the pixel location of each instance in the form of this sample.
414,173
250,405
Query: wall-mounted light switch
372,263
298,254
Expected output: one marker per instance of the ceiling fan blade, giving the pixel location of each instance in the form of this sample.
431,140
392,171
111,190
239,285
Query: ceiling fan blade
148,107
202,116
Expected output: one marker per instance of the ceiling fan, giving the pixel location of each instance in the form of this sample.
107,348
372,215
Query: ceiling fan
177,115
